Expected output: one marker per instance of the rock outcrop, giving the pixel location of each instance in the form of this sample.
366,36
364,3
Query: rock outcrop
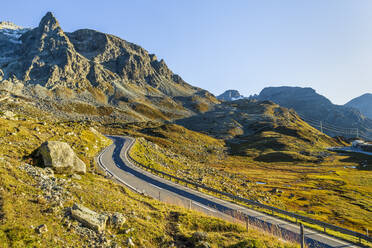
61,157
89,218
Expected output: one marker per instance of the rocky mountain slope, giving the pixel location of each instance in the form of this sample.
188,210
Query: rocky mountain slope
87,70
363,103
336,120
260,129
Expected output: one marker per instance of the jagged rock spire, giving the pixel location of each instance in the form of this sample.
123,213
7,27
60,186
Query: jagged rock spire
49,23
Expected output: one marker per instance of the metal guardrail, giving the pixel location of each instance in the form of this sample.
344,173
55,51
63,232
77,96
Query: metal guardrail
309,220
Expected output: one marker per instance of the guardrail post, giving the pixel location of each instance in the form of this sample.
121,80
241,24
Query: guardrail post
190,202
302,236
325,230
247,222
159,195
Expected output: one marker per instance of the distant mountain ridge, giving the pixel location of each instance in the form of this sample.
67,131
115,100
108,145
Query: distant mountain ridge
230,95
233,95
87,69
363,103
315,107
262,130
10,31
350,120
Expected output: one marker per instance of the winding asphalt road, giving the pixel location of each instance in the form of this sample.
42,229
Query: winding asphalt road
115,162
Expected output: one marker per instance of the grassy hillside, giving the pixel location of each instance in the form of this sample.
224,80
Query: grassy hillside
24,203
261,130
288,169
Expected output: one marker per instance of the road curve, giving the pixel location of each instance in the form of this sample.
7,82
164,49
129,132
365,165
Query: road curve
113,159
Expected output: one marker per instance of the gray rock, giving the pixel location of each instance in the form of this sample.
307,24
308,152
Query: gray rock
129,230
41,229
76,176
130,242
199,236
8,114
59,156
117,220
114,245
202,244
89,218
49,172
52,188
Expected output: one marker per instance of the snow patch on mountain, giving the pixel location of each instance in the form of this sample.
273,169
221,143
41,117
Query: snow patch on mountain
12,32
237,98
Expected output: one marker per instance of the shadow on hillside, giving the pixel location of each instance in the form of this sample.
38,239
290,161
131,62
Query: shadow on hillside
364,161
34,158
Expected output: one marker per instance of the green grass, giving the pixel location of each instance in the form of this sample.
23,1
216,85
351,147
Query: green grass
319,188
149,218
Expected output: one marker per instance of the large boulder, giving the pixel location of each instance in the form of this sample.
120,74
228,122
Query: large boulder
89,218
61,158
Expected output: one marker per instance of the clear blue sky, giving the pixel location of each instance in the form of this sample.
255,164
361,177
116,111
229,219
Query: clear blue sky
244,45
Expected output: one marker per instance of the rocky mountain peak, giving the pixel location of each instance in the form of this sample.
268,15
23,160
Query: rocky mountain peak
47,56
49,23
230,95
47,37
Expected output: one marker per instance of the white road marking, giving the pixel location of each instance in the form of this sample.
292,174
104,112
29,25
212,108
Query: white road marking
156,186
116,177
200,205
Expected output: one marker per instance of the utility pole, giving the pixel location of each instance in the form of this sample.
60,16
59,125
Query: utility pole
357,132
321,126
